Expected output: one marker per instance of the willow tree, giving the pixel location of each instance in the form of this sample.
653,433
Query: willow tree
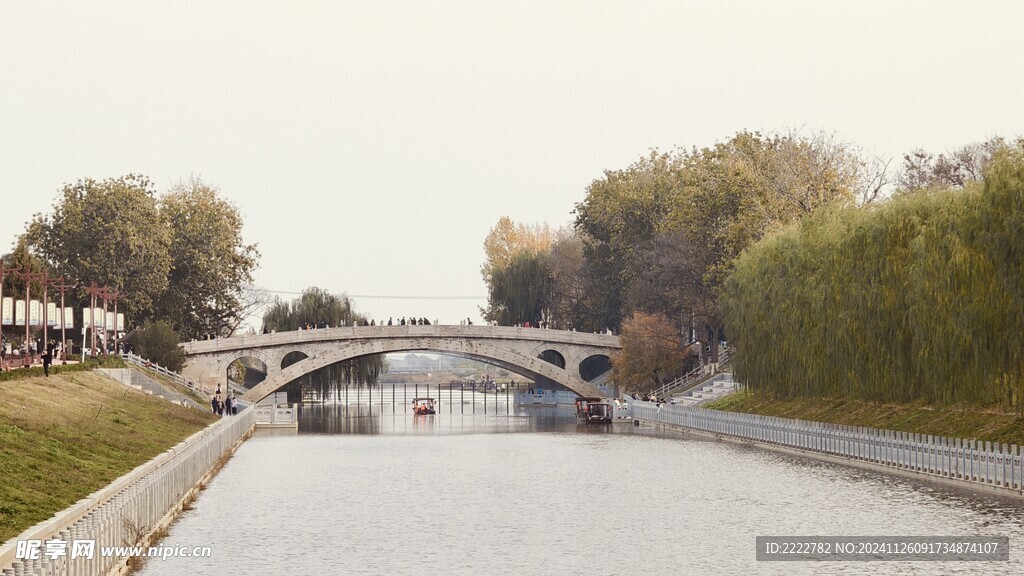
520,291
918,298
318,307
508,238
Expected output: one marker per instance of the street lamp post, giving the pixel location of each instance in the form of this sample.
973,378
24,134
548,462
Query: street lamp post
44,316
106,328
3,271
110,295
115,295
60,285
93,291
28,275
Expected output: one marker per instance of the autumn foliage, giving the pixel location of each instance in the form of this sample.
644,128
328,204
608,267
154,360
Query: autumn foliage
652,352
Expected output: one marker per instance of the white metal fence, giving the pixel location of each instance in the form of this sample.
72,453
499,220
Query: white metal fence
996,465
178,378
138,500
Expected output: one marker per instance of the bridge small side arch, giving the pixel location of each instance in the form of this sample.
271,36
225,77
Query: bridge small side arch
286,351
594,365
553,356
247,371
226,361
292,357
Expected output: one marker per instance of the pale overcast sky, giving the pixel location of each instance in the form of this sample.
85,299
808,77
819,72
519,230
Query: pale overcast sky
370,146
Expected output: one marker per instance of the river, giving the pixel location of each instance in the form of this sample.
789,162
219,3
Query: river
535,493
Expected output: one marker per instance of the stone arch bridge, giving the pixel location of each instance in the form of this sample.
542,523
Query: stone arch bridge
567,358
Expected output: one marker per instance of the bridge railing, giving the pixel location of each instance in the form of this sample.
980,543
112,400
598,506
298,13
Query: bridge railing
547,397
174,376
277,415
1000,466
433,330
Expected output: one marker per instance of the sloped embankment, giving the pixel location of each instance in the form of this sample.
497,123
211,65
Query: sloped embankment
64,437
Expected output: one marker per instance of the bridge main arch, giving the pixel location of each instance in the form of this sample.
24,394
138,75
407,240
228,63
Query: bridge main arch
481,350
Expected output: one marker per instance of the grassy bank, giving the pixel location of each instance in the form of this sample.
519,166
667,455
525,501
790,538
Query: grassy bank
952,421
64,437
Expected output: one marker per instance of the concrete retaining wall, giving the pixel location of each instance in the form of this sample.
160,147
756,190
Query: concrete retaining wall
146,498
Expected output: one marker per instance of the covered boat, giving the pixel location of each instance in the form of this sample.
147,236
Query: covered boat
423,406
596,410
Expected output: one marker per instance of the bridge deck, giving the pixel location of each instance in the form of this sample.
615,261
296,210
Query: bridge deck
408,331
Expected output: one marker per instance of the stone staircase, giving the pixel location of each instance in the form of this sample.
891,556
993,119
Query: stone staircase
139,381
695,377
717,387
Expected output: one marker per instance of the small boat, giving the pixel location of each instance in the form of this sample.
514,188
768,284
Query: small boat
593,410
423,406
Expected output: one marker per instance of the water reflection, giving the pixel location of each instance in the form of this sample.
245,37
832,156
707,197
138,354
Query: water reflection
533,492
371,419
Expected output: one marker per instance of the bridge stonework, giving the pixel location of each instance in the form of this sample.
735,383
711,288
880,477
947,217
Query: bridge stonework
512,348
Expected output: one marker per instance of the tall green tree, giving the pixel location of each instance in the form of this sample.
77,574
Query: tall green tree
210,264
109,232
23,260
14,285
661,235
672,279
158,342
621,212
571,288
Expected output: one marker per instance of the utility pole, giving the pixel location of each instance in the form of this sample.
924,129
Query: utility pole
106,338
60,285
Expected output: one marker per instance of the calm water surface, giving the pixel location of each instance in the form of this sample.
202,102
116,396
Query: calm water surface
534,493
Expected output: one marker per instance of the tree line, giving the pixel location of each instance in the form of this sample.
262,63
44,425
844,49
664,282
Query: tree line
652,243
655,249
177,258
